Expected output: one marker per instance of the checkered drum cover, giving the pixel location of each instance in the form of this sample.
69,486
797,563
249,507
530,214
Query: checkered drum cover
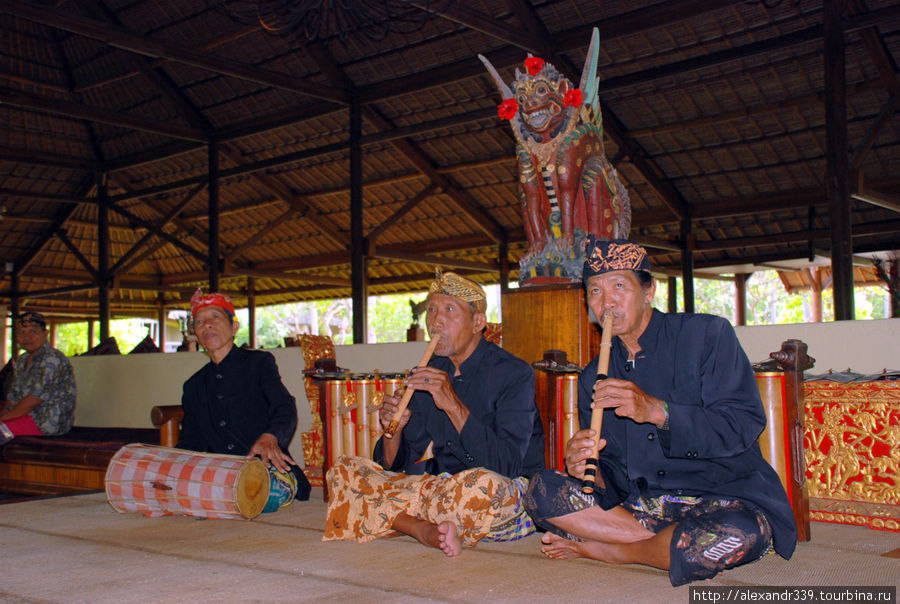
159,481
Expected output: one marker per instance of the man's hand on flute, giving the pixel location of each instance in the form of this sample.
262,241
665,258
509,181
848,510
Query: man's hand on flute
389,407
579,449
386,412
628,400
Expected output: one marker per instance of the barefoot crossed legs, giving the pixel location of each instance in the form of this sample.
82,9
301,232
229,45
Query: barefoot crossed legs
443,536
613,536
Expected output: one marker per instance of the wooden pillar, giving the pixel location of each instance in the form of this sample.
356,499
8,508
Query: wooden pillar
740,298
358,277
103,256
14,311
687,263
90,334
251,311
837,185
3,351
673,294
161,320
212,190
894,286
815,277
52,337
503,257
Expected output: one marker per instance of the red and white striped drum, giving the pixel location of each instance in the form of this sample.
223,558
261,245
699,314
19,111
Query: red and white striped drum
159,481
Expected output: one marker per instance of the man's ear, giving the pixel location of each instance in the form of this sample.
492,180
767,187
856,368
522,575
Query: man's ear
235,326
651,291
479,322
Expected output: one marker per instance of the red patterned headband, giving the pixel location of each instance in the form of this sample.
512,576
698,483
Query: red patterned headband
198,301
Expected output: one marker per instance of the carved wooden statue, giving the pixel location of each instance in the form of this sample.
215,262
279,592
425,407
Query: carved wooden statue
567,187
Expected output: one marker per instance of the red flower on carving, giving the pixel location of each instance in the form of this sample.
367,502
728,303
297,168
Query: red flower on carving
572,98
507,109
534,65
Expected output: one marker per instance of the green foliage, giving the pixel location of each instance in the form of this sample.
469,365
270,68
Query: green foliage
390,316
72,338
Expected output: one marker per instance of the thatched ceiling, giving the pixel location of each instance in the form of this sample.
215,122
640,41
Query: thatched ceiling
714,110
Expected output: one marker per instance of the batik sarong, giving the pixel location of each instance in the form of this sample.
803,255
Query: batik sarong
365,499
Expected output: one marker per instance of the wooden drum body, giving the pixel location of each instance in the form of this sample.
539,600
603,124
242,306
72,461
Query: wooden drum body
773,441
159,481
564,388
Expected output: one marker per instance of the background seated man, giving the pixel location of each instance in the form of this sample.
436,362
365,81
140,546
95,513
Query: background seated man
475,402
41,394
237,404
682,484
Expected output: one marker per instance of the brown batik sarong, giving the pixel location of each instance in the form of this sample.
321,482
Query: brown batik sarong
365,499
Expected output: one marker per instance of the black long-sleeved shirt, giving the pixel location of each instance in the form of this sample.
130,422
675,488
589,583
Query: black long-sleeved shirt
503,432
695,363
229,405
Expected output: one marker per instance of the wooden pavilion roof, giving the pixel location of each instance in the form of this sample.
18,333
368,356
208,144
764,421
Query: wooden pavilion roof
713,110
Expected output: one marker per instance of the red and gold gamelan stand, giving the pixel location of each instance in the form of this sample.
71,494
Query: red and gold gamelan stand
852,439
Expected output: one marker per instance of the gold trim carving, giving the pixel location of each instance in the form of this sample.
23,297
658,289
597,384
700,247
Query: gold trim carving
852,442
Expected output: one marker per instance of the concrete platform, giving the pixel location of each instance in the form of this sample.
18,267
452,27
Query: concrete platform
77,549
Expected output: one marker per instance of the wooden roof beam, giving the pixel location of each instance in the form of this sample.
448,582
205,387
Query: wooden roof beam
276,187
394,218
285,276
641,20
859,230
161,233
21,264
254,238
461,13
875,198
476,216
62,236
387,254
40,158
215,42
124,262
70,108
145,45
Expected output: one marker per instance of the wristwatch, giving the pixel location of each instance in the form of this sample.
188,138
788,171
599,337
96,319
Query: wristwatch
665,425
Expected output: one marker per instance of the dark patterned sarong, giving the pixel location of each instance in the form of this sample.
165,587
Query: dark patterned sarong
711,535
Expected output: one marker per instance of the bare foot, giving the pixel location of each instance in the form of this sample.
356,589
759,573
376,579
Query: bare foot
443,536
448,539
558,548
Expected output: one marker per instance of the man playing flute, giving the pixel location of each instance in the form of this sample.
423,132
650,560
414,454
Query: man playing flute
682,485
475,403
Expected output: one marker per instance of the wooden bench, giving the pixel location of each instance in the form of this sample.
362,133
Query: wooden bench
76,462
59,465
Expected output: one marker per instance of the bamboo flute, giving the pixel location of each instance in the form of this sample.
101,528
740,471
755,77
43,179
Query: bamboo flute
407,394
591,466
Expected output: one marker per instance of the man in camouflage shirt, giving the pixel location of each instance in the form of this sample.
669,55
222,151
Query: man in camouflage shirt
40,399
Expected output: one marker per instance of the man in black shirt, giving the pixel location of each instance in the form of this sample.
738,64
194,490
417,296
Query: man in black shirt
682,485
474,407
237,404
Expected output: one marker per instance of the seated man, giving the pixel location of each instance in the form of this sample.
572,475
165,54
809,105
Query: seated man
475,403
237,405
41,394
682,485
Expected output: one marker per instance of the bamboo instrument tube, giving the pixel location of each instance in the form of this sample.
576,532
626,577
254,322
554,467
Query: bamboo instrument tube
591,466
407,394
